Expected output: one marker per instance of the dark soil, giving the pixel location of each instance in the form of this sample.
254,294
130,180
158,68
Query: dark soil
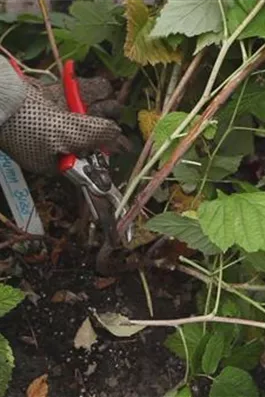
127,367
42,332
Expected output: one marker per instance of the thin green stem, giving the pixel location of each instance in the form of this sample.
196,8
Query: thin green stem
236,261
227,44
194,265
227,287
186,350
219,285
6,33
231,77
223,138
243,51
223,18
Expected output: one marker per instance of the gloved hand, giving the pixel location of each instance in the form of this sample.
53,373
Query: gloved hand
34,129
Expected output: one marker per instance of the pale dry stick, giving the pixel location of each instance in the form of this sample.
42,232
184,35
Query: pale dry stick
180,90
196,319
144,196
204,99
26,68
172,83
45,13
225,286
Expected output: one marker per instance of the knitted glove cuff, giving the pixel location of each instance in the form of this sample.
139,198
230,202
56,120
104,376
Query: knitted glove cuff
13,90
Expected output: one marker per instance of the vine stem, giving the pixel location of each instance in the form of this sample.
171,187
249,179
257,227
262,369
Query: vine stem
147,192
184,145
173,102
197,319
26,68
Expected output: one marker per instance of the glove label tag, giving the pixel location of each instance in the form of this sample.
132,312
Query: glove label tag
18,196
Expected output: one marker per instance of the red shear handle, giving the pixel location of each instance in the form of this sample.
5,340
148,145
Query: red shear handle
71,89
16,66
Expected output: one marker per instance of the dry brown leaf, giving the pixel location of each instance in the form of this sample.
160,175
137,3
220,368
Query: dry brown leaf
65,296
104,282
147,121
139,46
181,202
39,387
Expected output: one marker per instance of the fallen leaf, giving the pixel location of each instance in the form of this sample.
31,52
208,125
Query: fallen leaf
114,323
85,336
66,296
39,387
104,282
31,295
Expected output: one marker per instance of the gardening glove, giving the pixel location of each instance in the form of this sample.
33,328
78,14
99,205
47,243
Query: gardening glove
34,130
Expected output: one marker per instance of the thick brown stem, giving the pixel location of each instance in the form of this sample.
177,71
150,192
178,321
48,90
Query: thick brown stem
186,143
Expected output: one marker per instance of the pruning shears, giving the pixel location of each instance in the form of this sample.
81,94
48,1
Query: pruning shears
90,174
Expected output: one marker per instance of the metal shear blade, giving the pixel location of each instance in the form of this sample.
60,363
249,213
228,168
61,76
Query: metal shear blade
92,174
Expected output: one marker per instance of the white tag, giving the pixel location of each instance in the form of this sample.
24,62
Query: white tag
18,196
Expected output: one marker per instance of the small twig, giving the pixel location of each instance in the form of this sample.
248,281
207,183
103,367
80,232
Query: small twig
197,319
26,68
125,90
181,88
147,293
171,103
45,13
143,156
187,141
18,239
172,83
11,225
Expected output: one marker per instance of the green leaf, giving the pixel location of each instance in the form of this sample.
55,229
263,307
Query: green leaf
35,48
184,392
257,259
193,334
233,382
236,219
237,14
174,40
196,359
8,17
179,16
94,21
213,353
222,166
118,64
9,298
6,364
245,357
168,124
251,102
184,229
207,39
187,175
